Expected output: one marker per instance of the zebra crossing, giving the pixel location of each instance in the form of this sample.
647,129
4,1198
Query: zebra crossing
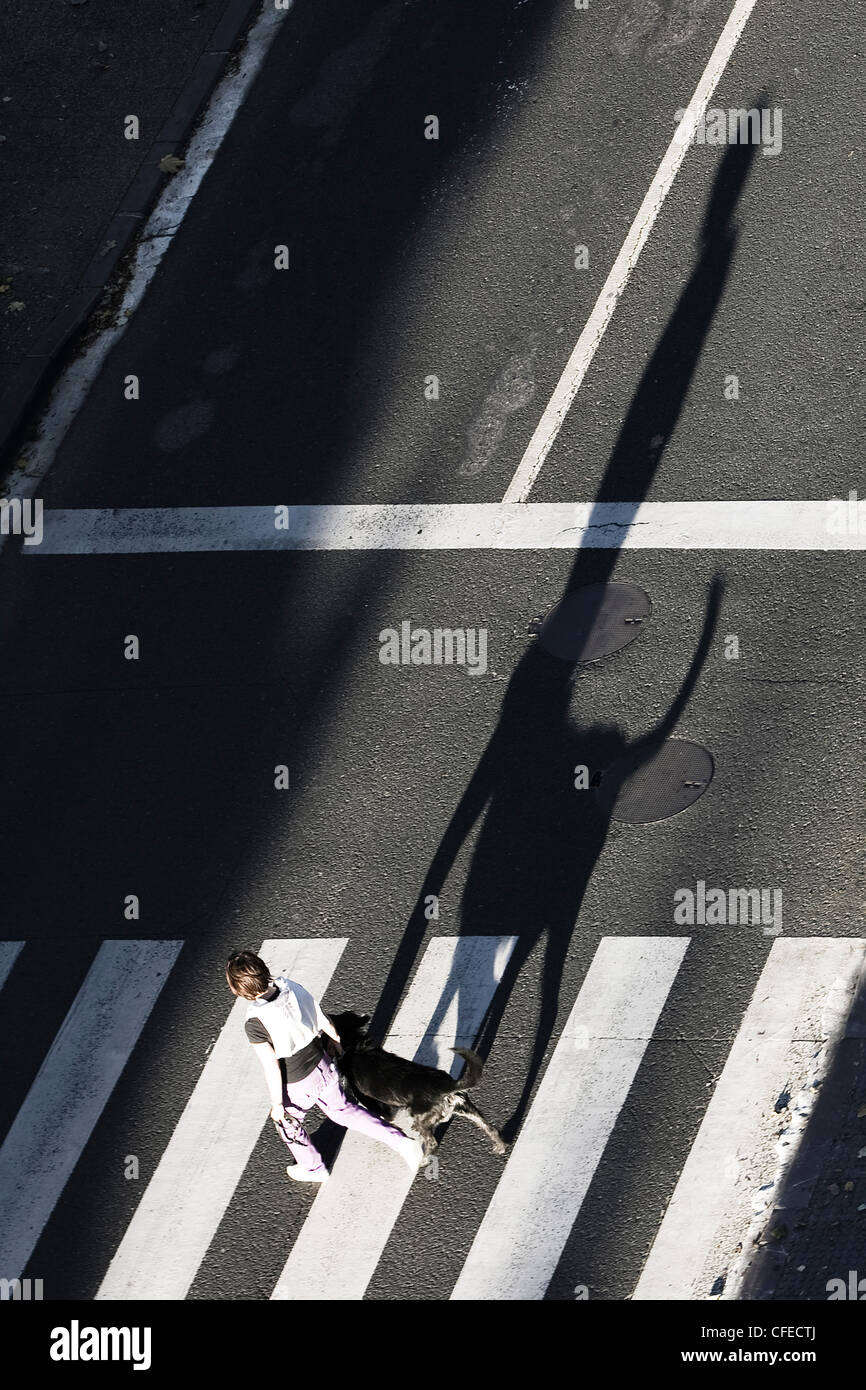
547,1174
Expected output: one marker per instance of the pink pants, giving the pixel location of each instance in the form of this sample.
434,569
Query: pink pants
322,1088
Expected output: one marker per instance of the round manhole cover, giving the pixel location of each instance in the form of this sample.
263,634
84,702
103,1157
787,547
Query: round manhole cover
638,789
592,622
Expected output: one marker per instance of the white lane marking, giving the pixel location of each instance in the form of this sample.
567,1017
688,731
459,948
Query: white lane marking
596,325
713,1196
9,951
351,1219
72,1088
807,525
525,1227
162,225
189,1193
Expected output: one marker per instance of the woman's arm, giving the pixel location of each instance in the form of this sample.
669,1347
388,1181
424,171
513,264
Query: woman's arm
273,1075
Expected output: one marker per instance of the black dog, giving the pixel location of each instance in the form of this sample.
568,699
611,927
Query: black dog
386,1083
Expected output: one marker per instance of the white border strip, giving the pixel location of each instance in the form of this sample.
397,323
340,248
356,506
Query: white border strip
159,231
611,292
814,525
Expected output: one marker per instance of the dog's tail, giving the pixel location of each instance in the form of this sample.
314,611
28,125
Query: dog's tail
471,1072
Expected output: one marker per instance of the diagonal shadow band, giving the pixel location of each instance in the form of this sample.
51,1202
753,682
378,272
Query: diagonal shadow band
539,842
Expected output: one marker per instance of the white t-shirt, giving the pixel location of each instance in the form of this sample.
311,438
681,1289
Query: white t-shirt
291,1019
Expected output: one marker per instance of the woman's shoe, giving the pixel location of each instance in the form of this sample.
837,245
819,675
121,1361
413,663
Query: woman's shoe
302,1175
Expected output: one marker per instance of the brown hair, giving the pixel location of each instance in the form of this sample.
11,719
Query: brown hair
247,974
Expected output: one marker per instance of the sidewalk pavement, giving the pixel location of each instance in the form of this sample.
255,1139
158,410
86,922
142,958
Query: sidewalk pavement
75,189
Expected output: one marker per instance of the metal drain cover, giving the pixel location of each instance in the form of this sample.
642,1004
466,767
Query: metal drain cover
638,789
592,622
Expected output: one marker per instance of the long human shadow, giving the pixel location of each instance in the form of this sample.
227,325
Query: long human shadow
541,838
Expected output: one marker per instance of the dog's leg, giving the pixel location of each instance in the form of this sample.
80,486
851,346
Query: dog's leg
469,1110
428,1138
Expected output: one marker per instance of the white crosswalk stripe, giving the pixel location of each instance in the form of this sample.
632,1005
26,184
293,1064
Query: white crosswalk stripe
189,1193
527,1223
342,1239
782,1020
72,1087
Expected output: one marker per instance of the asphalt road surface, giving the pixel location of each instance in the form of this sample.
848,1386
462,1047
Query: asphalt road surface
454,258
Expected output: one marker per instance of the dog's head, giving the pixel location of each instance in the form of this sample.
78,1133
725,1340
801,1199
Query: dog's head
351,1027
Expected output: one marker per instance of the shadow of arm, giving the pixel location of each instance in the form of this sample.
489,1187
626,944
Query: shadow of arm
665,727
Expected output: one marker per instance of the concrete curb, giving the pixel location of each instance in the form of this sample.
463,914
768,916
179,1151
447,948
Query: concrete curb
42,362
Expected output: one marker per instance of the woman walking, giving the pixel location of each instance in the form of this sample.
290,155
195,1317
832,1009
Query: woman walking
284,1023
